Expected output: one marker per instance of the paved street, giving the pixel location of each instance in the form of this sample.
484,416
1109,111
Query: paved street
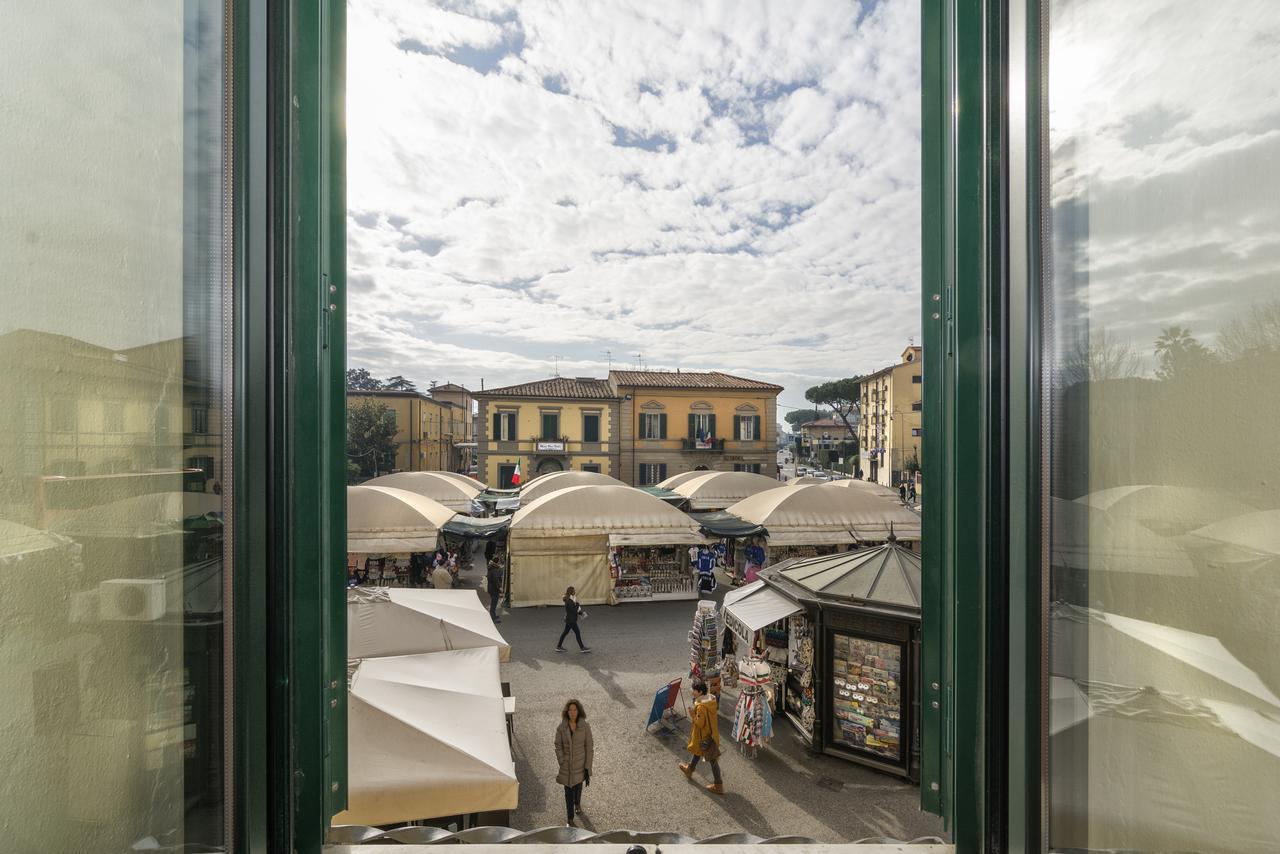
635,784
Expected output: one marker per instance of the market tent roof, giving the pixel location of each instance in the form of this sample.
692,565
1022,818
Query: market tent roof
807,480
1257,533
477,528
16,540
626,515
722,523
826,514
402,621
717,490
1189,732
677,479
427,737
451,493
382,519
882,575
1168,510
755,606
867,486
154,514
549,483
1086,538
464,479
675,499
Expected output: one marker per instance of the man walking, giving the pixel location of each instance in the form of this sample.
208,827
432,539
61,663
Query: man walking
704,737
493,582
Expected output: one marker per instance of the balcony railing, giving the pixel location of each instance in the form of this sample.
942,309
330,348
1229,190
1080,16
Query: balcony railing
702,444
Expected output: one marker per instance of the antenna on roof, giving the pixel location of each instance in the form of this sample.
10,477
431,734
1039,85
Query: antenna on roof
557,362
608,354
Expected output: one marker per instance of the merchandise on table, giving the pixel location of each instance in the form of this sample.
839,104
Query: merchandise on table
866,679
753,718
704,646
646,572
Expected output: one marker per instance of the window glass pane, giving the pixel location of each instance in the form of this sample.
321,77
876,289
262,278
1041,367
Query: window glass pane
112,501
1164,474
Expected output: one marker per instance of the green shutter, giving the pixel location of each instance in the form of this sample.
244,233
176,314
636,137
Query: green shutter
759,434
497,427
662,472
712,420
693,426
737,427
662,426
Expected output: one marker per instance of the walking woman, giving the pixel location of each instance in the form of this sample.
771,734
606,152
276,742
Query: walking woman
704,737
571,613
574,752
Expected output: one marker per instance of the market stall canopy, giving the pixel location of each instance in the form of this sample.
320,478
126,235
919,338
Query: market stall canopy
827,514
675,499
402,621
1256,534
155,514
867,486
807,480
446,491
1085,538
1191,731
722,523
473,528
749,609
427,737
717,490
677,479
883,575
1167,510
626,515
548,483
464,479
382,519
17,541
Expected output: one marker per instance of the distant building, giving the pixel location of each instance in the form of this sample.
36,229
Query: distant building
425,428
891,401
674,421
824,436
461,427
556,424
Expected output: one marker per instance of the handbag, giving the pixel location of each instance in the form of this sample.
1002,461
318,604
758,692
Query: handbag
710,750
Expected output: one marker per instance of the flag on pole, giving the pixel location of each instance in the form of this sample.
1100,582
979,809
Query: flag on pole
515,475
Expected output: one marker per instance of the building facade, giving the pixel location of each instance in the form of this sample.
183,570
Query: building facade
460,423
556,424
822,438
889,433
426,428
677,421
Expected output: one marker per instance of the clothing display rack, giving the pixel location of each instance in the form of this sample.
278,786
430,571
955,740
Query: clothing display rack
752,718
704,646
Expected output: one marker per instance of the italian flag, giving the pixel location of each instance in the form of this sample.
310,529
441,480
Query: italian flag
515,475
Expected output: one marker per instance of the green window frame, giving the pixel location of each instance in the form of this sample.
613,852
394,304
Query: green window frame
591,427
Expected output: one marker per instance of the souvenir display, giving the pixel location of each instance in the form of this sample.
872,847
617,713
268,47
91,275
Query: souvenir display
798,701
777,554
752,717
866,680
704,646
650,572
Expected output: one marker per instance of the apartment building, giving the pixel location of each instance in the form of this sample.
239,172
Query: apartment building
889,434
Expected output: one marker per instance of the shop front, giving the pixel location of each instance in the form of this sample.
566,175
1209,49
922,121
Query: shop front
652,572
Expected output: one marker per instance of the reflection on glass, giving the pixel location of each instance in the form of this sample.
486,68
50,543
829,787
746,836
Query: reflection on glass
1163,175
111,445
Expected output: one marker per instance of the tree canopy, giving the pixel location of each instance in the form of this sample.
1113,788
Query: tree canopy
359,379
1180,353
840,395
371,438
803,416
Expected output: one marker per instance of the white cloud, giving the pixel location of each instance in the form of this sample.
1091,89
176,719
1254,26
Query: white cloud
728,186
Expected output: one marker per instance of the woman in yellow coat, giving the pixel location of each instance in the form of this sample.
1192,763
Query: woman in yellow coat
704,737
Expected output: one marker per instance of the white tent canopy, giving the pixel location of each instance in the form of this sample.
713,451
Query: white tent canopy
402,621
1167,510
549,483
427,737
826,514
466,480
450,492
716,490
381,519
868,486
684,476
562,539
1256,533
749,609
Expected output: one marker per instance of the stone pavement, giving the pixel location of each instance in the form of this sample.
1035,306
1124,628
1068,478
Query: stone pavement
637,648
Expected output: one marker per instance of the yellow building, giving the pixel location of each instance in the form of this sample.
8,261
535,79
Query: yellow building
556,424
889,431
426,429
674,421
460,422
821,439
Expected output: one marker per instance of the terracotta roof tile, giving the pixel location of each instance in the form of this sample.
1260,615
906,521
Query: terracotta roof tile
556,387
689,379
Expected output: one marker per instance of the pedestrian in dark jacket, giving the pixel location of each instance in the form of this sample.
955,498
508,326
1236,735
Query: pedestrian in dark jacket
571,613
493,582
574,752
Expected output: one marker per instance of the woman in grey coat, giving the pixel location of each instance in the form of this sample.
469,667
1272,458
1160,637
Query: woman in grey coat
574,752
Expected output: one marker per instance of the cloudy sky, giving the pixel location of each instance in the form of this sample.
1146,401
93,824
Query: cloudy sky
723,186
